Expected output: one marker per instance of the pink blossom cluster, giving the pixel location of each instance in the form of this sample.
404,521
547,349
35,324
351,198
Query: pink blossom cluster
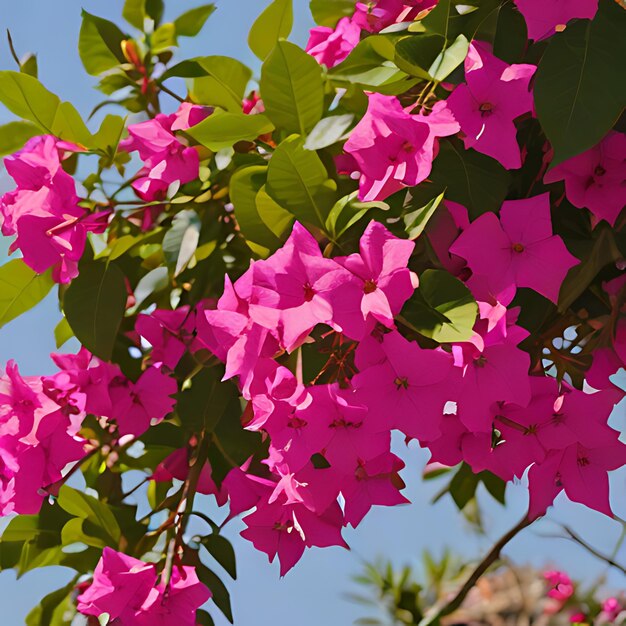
44,211
132,594
39,423
40,420
472,401
167,158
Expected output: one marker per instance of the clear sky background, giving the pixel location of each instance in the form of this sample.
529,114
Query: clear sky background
314,592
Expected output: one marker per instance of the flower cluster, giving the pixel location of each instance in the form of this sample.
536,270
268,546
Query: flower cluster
130,593
44,211
41,418
334,438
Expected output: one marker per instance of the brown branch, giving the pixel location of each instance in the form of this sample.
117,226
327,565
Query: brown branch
599,555
437,612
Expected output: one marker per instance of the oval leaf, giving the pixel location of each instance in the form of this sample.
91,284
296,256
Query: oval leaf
273,24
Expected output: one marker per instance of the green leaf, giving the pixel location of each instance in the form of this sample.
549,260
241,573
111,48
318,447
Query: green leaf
220,81
452,18
475,180
14,135
69,126
54,607
21,289
449,59
347,211
273,24
328,130
164,38
88,508
108,136
223,129
29,65
190,23
494,485
298,181
442,308
28,98
222,551
601,250
205,402
94,306
181,240
292,88
220,596
62,332
463,486
134,12
416,221
203,618
100,44
243,189
329,12
580,89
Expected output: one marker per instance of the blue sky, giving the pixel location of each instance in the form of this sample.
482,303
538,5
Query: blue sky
313,593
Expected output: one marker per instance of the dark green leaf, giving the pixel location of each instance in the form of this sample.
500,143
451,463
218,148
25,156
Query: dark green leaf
298,181
463,486
14,135
475,180
511,36
273,24
94,306
416,221
329,12
347,211
328,130
100,44
222,551
580,89
28,98
443,308
203,405
243,189
223,129
21,289
190,23
452,18
220,596
204,619
495,486
181,240
292,88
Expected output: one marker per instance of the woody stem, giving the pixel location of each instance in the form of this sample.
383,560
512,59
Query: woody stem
437,612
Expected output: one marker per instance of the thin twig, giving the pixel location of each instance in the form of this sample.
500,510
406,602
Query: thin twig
169,92
599,555
437,612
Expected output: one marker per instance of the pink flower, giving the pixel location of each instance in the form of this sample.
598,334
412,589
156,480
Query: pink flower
493,96
394,149
176,465
375,15
177,604
43,211
611,608
409,390
120,586
167,159
561,585
253,104
518,249
168,332
136,406
330,46
579,471
380,281
542,16
296,282
596,179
